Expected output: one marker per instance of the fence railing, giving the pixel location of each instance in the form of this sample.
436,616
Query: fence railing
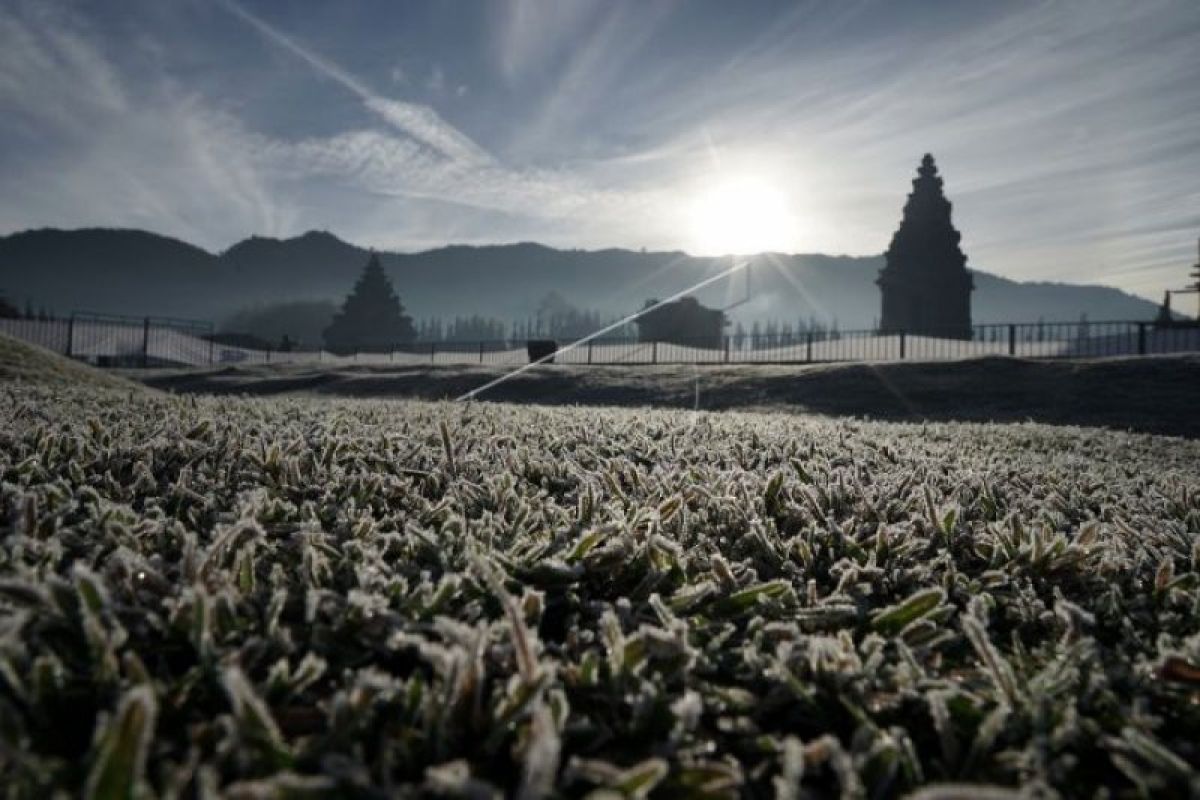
106,340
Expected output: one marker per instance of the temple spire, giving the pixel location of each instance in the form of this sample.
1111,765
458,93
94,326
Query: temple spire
928,168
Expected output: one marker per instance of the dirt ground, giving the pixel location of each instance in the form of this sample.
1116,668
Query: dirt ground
1149,394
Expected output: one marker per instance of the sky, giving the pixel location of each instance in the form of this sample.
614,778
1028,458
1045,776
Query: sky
1068,133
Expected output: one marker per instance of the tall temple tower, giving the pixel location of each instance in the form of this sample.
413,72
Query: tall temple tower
925,284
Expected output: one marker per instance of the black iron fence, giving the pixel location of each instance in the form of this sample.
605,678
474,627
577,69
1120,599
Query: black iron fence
1024,340
108,340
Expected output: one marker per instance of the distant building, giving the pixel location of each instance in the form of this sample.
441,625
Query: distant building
925,284
682,321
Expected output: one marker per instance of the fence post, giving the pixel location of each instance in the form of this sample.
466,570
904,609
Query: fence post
654,352
808,347
1012,340
212,349
71,337
1141,338
481,352
146,343
726,349
589,352
432,351
901,344
268,355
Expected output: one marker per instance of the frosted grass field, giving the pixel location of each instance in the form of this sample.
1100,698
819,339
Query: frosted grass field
298,598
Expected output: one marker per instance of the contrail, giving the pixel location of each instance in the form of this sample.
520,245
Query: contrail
420,122
626,320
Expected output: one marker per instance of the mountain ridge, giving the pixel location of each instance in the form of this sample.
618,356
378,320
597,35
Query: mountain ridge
133,271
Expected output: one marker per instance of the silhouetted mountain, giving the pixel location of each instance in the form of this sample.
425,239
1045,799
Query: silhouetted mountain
319,261
135,272
113,271
1001,300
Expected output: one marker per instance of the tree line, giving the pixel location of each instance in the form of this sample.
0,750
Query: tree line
373,318
781,333
9,311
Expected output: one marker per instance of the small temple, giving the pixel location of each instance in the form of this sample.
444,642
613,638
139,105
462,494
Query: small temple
925,283
683,321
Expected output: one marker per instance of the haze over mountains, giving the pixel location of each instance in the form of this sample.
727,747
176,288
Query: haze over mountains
141,273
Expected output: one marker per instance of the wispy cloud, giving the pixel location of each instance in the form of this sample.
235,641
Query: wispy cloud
46,54
531,33
420,122
97,151
1053,122
421,155
1067,133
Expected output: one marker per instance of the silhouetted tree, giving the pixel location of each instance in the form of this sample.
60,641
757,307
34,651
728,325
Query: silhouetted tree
475,329
436,332
372,317
559,319
7,309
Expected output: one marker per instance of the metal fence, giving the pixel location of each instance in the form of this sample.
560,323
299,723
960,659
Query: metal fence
107,340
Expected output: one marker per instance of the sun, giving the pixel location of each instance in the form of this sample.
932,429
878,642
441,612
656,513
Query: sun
741,216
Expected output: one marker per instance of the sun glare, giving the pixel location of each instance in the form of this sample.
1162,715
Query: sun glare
742,217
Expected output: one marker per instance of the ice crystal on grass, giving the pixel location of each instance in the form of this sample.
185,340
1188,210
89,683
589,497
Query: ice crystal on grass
254,598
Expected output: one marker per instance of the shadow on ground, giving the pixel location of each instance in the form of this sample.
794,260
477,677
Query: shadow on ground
1148,394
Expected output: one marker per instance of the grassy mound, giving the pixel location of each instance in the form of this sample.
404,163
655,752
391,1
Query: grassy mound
21,361
260,598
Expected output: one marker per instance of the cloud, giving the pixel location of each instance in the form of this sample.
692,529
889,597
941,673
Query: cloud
1051,122
152,153
430,158
417,121
423,124
597,63
51,75
530,33
1067,134
96,150
437,80
392,166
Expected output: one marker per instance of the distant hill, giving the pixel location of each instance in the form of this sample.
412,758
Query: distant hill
106,270
136,272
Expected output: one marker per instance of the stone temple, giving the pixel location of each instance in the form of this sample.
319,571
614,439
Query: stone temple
925,284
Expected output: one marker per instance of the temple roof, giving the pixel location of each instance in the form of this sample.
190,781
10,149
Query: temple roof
926,242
